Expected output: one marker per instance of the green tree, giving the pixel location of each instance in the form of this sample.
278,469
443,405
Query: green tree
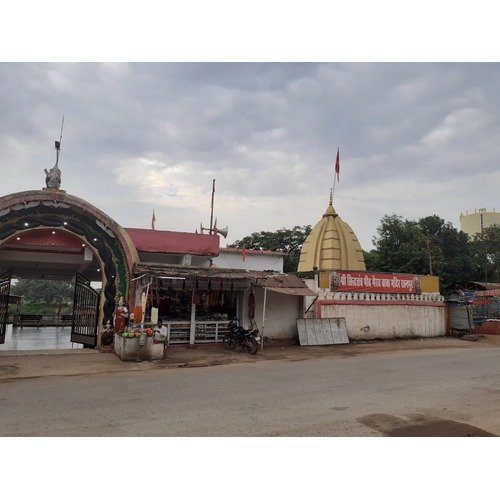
371,260
449,252
486,250
400,246
427,246
283,240
43,296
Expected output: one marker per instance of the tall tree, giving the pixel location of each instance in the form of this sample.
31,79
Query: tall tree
284,240
486,250
400,246
449,253
427,246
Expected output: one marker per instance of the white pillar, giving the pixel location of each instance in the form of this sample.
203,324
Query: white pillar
192,330
263,317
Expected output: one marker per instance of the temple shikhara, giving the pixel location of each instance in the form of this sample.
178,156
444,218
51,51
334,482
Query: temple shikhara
331,245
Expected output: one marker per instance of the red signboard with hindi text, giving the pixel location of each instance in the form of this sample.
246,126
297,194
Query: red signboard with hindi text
361,281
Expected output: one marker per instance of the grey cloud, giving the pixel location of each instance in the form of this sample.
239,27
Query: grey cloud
265,131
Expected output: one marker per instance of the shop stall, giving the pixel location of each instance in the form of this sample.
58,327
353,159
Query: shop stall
195,305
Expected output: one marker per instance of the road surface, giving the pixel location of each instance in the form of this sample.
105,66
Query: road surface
445,392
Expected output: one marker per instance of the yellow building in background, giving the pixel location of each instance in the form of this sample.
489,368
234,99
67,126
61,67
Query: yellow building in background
474,223
331,245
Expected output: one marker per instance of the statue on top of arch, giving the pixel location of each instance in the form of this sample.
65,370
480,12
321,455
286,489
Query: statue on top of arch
53,177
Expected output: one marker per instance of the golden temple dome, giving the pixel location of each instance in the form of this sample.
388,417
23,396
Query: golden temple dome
331,245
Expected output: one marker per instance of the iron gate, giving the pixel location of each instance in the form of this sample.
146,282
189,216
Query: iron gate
85,313
4,303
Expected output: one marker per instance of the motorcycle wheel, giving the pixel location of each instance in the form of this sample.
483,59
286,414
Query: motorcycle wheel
231,343
252,346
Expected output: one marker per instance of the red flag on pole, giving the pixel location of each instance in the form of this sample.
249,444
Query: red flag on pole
153,220
337,165
243,252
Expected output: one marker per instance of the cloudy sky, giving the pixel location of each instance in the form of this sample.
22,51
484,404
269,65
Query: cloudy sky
415,139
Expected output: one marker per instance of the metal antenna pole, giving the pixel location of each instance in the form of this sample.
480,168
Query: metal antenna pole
62,125
58,143
212,208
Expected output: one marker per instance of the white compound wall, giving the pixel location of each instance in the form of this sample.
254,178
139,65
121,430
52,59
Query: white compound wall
371,316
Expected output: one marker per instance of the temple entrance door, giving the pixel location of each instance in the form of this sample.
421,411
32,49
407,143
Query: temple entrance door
4,303
85,313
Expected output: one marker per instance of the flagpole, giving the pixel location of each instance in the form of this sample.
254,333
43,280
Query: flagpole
336,171
58,143
211,230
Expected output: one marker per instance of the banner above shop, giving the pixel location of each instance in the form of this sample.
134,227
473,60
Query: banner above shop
360,281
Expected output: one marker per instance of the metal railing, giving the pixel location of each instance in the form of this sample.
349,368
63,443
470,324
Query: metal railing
210,331
486,308
205,331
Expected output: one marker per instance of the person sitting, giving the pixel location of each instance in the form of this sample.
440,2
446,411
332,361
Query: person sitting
161,332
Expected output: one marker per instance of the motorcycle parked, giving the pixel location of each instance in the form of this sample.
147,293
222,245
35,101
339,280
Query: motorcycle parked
237,336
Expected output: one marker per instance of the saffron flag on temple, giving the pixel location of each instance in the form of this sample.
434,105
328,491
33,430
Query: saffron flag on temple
337,165
153,220
243,252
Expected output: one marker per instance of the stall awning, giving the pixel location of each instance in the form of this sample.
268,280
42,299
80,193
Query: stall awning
303,291
223,279
191,278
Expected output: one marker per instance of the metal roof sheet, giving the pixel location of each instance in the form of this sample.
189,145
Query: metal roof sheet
486,286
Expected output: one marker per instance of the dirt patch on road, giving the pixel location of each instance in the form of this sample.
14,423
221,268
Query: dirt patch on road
419,425
8,368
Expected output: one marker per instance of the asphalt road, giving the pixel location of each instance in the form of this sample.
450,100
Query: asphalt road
445,392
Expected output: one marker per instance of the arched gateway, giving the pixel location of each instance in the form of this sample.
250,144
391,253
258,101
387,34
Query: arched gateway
25,214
